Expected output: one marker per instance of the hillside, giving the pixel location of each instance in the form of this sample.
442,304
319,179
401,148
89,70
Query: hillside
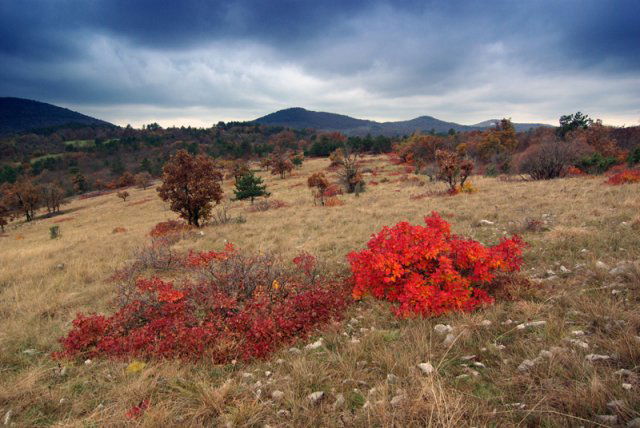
19,115
300,118
496,371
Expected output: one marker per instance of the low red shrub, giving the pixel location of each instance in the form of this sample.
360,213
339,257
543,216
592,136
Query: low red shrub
235,311
332,190
169,227
333,202
626,176
428,271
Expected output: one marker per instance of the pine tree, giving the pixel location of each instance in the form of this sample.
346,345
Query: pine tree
250,186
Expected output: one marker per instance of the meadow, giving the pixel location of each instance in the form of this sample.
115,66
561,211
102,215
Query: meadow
562,350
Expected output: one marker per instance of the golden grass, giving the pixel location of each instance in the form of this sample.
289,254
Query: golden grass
587,221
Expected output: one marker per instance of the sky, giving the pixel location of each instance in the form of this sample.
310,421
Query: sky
196,62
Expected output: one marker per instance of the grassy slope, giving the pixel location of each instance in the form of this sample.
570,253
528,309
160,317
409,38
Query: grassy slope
38,301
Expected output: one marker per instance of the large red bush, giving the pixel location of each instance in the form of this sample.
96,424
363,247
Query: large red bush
626,176
428,271
234,311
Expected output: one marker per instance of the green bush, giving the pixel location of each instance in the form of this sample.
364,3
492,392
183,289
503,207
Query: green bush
54,232
634,156
596,163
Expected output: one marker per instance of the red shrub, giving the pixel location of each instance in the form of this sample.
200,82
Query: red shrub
235,311
332,190
625,177
333,202
169,227
428,271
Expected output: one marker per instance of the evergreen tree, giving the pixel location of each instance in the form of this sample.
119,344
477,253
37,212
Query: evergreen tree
250,186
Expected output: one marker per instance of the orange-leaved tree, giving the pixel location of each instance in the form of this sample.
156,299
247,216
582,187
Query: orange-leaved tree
190,184
320,182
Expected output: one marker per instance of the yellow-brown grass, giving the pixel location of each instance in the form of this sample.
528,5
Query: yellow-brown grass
44,282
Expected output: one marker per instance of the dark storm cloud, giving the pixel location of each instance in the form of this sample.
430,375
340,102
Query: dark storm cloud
372,58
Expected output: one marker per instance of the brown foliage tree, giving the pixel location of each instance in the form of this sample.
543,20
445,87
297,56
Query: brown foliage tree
349,174
237,169
26,196
190,184
143,180
452,169
127,179
53,197
548,160
320,183
123,195
281,164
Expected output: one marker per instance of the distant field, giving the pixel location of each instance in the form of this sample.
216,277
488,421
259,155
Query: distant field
45,157
582,229
80,143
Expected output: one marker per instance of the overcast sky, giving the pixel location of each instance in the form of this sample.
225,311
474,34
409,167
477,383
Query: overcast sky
195,62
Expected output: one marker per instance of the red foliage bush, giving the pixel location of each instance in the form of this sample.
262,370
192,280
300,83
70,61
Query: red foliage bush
169,227
333,202
428,271
234,312
332,190
625,177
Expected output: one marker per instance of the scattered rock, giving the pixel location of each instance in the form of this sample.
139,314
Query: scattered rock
486,323
507,322
448,341
277,395
499,346
621,268
577,333
518,406
63,371
580,343
597,357
526,365
247,375
315,345
485,222
30,351
545,354
267,373
564,270
530,324
601,265
279,361
623,372
87,362
634,423
355,340
397,400
442,328
467,357
607,419
283,413
339,401
615,406
315,397
7,417
391,378
294,350
462,376
60,266
426,368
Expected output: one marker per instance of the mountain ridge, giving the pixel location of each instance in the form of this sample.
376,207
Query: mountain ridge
301,118
21,115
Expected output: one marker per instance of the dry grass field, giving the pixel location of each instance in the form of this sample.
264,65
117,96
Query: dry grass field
584,359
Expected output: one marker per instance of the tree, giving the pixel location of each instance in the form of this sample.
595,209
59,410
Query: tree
452,169
570,122
27,197
143,180
125,180
80,183
237,169
548,160
349,174
123,195
320,183
53,196
281,164
190,184
250,186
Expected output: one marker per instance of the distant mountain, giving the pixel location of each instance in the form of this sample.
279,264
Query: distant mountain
300,118
19,115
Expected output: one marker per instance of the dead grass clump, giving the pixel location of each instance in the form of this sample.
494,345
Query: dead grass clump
266,205
119,229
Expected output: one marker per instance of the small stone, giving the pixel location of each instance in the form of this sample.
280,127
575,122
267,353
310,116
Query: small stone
634,423
545,354
315,397
579,343
60,266
294,350
426,368
499,346
30,351
247,375
479,365
518,406
607,419
62,401
315,345
564,270
623,372
339,401
526,365
467,357
448,341
615,405
7,417
283,413
597,357
577,333
462,376
355,340
507,322
485,222
267,373
397,400
601,265
442,328
87,362
530,324
279,361
277,395
201,233
486,323
63,371
391,378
